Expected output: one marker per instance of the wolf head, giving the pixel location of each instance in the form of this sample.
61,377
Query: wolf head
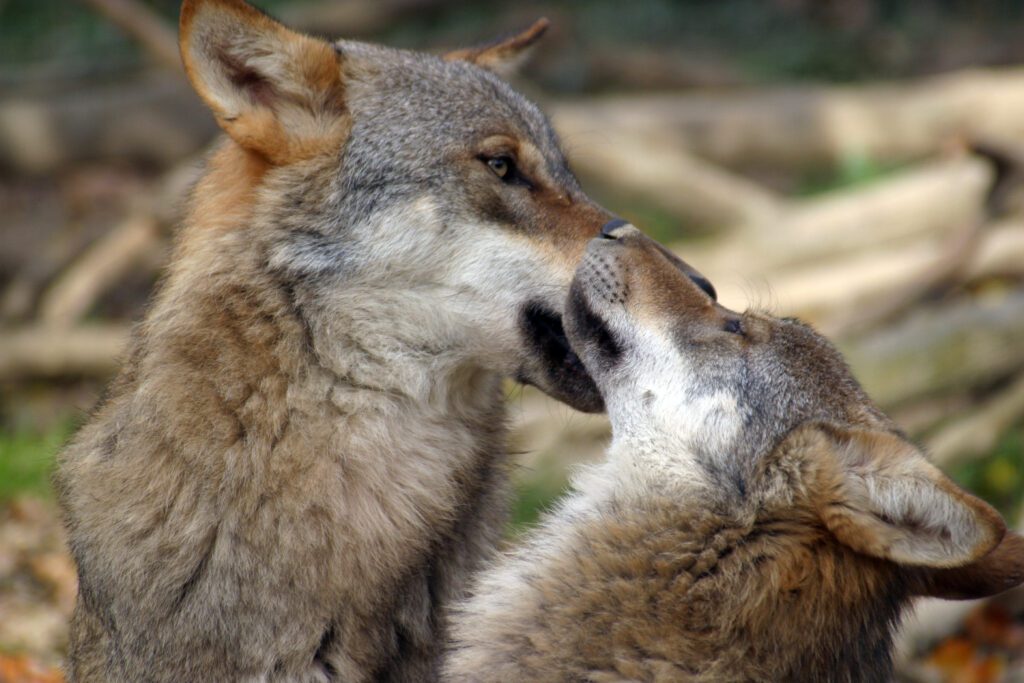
407,178
753,411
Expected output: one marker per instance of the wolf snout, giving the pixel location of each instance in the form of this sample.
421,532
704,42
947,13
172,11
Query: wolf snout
618,234
689,271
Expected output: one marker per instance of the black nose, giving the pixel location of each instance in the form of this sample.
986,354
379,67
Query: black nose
611,226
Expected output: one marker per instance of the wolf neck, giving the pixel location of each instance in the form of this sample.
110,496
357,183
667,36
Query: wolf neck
303,381
367,337
665,446
380,341
645,463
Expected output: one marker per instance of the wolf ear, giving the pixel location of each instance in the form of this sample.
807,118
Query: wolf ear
999,570
879,495
505,55
275,92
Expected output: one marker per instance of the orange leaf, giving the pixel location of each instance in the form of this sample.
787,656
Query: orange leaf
22,669
952,655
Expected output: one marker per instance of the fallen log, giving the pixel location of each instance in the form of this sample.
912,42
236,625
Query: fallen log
936,195
155,120
972,342
849,294
659,171
930,199
41,351
977,433
816,126
831,290
941,273
100,267
957,253
1000,254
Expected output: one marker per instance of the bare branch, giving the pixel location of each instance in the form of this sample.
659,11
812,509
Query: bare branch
976,434
41,351
101,266
145,26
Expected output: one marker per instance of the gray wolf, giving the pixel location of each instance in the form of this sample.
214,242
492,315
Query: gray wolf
304,455
757,519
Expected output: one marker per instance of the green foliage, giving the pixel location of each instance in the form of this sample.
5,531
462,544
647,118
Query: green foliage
999,477
656,222
27,457
42,39
533,497
853,170
750,40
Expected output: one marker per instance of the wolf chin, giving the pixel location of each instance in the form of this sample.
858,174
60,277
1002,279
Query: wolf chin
304,455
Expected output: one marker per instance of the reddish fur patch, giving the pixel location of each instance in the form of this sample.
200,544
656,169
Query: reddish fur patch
224,196
999,570
494,55
259,126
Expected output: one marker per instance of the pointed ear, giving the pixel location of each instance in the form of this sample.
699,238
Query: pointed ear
277,93
998,571
506,55
881,497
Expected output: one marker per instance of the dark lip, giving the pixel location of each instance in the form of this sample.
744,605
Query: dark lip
562,373
590,329
545,327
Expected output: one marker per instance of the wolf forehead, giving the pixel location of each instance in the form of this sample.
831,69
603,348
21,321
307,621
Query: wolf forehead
797,355
788,372
421,104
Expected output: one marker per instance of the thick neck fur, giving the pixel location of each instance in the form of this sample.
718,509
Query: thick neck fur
641,584
316,349
375,338
262,435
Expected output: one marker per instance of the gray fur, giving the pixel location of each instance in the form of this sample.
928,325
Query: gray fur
304,455
758,519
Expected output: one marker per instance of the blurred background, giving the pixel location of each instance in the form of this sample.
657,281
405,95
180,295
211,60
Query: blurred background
858,163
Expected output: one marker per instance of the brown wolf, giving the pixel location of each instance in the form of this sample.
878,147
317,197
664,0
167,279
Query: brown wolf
757,518
304,455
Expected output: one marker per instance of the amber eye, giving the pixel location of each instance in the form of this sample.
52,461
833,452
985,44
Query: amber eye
502,166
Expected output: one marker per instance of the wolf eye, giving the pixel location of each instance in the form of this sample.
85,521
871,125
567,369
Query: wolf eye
734,326
502,166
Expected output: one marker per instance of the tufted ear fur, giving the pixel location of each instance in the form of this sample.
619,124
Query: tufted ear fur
506,55
277,93
877,493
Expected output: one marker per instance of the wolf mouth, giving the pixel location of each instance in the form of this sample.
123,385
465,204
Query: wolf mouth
564,370
546,329
589,326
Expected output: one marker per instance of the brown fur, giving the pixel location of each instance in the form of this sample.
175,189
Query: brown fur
500,54
220,457
758,518
303,458
662,592
316,78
